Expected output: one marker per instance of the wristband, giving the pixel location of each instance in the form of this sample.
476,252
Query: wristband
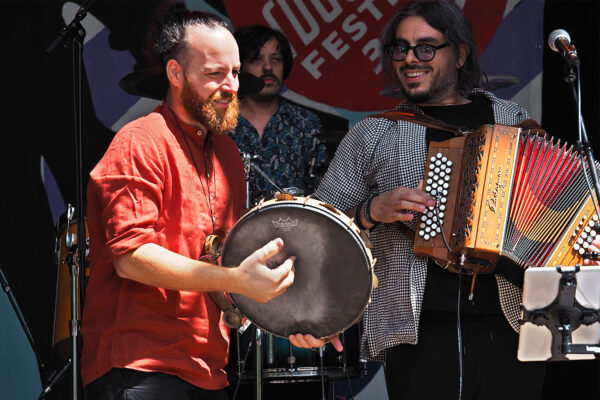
357,219
367,214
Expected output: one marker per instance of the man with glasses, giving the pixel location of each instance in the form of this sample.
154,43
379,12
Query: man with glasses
376,177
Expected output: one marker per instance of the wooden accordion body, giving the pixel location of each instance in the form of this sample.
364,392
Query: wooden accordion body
505,191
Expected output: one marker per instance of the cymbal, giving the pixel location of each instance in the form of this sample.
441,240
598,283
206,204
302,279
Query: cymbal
490,82
152,83
331,136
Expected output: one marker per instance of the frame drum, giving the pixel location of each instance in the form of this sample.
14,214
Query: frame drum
333,268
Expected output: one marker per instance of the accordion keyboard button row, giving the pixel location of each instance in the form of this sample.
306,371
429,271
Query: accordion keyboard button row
587,233
436,185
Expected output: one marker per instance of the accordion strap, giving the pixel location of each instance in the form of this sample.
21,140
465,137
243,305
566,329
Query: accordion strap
422,119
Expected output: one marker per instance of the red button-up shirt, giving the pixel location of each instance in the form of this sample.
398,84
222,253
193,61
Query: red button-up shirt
146,189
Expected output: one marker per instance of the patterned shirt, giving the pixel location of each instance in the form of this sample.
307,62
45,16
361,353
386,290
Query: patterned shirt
285,150
378,155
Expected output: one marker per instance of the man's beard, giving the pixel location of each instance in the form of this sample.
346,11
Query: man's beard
205,113
440,85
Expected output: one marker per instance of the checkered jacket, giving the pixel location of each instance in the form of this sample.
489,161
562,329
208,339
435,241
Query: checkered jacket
378,155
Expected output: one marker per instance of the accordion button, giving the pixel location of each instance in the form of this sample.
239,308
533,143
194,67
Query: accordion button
576,247
433,234
443,200
444,159
584,235
432,159
429,181
442,207
426,237
447,177
449,163
441,214
581,251
421,233
580,241
428,189
586,245
593,233
439,155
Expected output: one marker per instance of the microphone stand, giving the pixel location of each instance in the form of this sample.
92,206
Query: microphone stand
73,34
572,77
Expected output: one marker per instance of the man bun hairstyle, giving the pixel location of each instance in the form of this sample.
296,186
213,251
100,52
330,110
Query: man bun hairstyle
166,37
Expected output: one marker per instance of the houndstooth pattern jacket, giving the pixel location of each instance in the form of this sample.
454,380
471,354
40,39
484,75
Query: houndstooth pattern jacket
378,155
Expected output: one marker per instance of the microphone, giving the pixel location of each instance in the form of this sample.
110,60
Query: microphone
560,41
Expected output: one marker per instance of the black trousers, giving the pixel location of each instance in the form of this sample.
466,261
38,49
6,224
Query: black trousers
129,384
430,369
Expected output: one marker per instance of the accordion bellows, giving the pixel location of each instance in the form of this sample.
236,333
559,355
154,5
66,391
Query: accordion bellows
506,191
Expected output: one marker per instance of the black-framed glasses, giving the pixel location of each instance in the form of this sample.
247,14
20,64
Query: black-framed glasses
423,52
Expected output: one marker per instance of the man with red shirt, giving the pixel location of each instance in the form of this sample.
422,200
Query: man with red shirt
168,181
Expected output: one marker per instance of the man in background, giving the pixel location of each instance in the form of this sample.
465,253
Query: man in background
281,136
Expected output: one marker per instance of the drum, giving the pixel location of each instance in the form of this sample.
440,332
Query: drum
284,363
333,268
66,241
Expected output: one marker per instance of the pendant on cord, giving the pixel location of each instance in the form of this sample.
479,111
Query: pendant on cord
212,249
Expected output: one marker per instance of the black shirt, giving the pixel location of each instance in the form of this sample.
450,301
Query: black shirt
441,287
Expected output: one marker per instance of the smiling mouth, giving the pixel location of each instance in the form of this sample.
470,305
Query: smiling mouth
222,102
415,74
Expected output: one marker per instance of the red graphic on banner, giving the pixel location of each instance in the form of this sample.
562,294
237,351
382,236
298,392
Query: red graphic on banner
336,43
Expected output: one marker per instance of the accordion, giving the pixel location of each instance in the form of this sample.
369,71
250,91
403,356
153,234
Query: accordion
506,191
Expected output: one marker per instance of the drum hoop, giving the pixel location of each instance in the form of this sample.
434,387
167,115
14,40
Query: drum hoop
320,207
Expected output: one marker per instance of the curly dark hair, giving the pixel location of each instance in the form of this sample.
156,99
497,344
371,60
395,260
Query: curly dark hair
448,18
166,37
251,38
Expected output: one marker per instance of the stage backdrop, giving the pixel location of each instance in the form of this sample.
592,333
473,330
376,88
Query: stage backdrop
336,71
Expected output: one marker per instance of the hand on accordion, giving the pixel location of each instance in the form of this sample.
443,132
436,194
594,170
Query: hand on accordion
393,205
593,248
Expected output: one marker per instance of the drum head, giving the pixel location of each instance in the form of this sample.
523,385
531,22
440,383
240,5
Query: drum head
333,278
